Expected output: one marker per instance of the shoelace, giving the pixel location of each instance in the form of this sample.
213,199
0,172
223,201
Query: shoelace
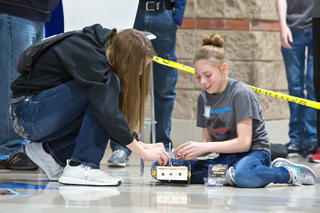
86,174
298,179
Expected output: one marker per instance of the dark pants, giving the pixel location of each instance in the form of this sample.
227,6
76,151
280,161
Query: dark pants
316,67
63,119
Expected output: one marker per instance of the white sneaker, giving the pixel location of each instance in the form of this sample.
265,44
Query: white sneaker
301,174
85,175
230,177
44,160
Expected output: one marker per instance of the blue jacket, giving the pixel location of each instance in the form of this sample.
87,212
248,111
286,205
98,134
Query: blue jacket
179,6
37,10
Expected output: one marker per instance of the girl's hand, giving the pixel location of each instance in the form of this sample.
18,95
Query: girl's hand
149,152
157,153
190,150
285,36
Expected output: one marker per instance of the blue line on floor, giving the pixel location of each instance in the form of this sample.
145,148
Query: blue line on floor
16,185
309,198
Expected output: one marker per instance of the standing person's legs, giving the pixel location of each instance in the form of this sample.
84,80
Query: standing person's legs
16,35
294,60
165,78
316,78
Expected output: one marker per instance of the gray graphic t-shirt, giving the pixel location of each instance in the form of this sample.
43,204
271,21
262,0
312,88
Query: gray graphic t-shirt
221,113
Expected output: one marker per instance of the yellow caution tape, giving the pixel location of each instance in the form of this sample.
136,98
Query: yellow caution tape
290,98
173,64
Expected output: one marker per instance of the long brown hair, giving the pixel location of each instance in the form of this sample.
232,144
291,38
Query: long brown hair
127,50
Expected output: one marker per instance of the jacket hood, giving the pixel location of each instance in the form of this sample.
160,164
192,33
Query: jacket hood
99,32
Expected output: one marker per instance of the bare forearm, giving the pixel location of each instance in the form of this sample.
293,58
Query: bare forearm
282,12
230,146
136,147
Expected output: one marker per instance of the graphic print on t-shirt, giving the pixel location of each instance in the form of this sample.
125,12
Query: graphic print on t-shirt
218,127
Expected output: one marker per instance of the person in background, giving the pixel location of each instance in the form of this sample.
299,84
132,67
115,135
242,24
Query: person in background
296,35
21,24
56,24
316,66
162,18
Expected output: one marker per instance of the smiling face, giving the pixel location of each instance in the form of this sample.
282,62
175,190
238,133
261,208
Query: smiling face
212,79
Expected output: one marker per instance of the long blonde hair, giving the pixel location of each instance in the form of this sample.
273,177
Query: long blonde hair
127,50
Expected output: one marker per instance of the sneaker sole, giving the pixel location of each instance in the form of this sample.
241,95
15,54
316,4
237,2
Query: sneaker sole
311,160
19,167
116,164
302,167
22,167
38,161
75,181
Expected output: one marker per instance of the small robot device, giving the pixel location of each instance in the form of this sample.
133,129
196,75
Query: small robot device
171,172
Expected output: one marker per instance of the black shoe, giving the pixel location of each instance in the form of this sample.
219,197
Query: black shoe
19,161
309,151
292,148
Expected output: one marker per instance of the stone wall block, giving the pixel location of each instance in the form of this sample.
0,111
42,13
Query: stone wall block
185,45
147,108
241,71
183,105
210,8
274,108
281,82
190,9
268,10
242,9
266,46
240,45
195,94
269,75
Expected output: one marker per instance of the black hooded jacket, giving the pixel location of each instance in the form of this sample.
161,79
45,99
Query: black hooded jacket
81,57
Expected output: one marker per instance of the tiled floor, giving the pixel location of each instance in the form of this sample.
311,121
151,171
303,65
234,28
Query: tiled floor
142,194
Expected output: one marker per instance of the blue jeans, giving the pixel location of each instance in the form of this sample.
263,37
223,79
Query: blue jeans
16,35
63,119
161,24
302,125
252,169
